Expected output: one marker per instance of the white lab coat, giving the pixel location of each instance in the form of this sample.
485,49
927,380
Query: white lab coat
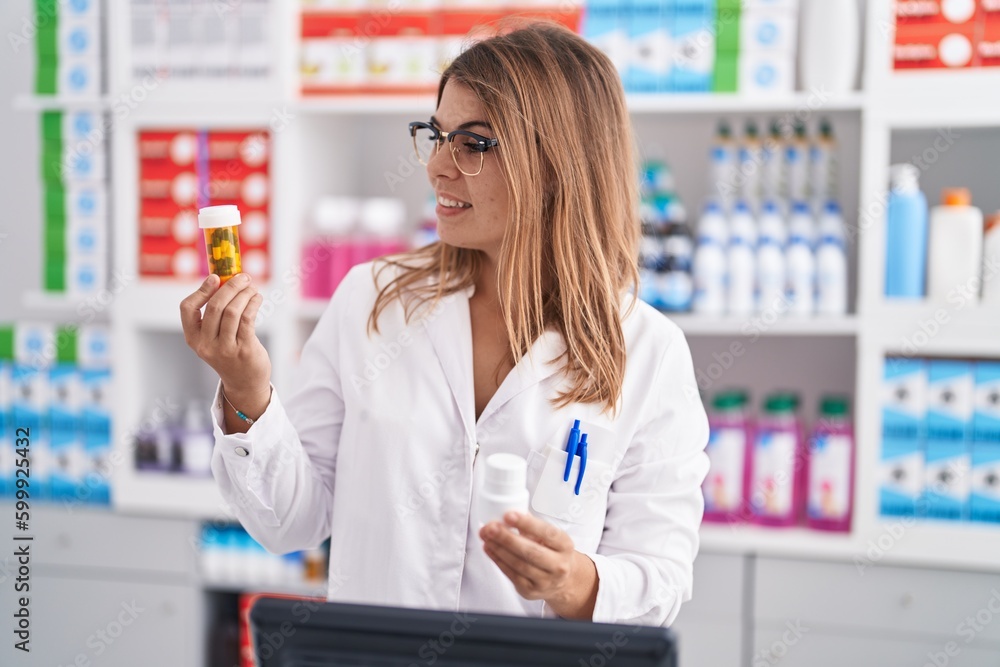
377,445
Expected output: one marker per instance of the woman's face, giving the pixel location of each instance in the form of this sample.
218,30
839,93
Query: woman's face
481,224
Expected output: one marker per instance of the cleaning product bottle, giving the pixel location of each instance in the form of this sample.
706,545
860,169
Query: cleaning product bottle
823,165
801,263
797,163
750,164
773,169
196,441
831,263
776,464
741,257
729,441
771,269
676,285
906,235
722,176
326,254
830,45
710,262
955,250
830,476
991,261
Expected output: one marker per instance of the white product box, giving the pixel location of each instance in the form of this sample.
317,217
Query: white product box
86,201
86,237
768,30
254,53
402,61
93,346
332,61
86,274
83,162
79,77
765,72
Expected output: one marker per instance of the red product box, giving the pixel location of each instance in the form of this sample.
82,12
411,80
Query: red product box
935,12
179,147
253,191
935,47
250,149
163,180
989,46
164,218
168,258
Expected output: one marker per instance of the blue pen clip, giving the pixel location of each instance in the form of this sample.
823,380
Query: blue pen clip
582,451
571,445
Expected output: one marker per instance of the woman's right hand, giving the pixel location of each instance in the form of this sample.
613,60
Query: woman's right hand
226,340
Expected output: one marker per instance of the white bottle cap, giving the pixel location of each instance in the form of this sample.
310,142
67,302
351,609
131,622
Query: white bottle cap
506,474
336,215
212,217
383,216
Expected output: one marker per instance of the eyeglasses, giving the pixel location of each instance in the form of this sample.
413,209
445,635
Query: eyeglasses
467,153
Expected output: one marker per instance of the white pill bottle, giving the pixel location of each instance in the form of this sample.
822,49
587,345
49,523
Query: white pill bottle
504,488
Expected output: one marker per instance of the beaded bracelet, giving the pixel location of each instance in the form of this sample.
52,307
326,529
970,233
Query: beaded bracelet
238,413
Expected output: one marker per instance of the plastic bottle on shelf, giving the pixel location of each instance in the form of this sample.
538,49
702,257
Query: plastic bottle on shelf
771,269
831,263
801,262
906,235
426,232
382,222
722,176
776,466
830,478
750,165
991,261
773,168
196,441
326,255
729,444
710,262
830,45
823,164
797,163
676,285
741,258
955,250
652,258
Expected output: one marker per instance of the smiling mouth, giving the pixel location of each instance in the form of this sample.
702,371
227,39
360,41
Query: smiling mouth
452,203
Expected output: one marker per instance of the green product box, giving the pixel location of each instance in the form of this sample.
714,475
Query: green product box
66,345
55,205
45,79
55,275
46,43
47,9
727,30
52,122
726,76
52,155
7,343
55,242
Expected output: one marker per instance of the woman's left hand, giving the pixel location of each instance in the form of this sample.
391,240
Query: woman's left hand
543,564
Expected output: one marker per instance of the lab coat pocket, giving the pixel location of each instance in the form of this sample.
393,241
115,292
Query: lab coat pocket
557,498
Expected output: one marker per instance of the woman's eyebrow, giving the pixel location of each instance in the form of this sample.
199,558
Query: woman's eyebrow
466,125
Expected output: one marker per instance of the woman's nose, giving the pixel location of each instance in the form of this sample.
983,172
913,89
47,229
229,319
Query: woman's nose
440,164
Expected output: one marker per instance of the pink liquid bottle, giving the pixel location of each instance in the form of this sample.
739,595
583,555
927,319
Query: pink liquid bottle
728,447
776,464
326,254
830,479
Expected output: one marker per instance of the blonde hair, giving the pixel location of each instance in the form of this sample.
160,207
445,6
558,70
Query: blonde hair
569,252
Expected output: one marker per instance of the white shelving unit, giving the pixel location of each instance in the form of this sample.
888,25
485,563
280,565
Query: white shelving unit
345,146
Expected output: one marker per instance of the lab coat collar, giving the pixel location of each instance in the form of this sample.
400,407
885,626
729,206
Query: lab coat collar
449,327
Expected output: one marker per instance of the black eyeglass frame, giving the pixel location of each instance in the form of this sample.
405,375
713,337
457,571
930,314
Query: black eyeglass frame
480,143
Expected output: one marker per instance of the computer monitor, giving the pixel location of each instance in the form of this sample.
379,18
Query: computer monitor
298,633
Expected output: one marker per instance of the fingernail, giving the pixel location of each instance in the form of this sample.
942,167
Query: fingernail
512,517
243,278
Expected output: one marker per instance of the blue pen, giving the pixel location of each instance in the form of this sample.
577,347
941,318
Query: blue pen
582,450
574,438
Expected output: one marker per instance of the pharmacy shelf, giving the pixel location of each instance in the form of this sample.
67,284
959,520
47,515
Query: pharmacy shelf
678,103
747,539
166,494
66,305
154,305
964,546
939,99
304,589
935,329
757,325
36,103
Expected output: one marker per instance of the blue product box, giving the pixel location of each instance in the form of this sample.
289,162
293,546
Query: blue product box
693,45
649,53
984,498
7,455
28,411
96,422
904,402
64,429
606,26
949,442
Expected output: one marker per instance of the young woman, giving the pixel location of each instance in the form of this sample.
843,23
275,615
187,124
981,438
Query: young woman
519,322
